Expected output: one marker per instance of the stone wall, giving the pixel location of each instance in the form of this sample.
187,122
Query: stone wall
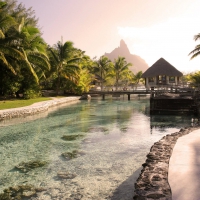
35,108
153,180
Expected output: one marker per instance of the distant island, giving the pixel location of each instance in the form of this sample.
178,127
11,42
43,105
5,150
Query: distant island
138,63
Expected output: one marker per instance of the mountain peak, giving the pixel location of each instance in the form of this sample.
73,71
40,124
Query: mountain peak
138,63
122,43
123,47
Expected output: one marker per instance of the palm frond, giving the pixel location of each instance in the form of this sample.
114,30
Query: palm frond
73,60
54,55
11,52
197,37
2,36
195,52
39,61
21,25
27,64
6,22
4,62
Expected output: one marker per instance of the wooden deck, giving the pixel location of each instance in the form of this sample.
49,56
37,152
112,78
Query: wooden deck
154,93
163,101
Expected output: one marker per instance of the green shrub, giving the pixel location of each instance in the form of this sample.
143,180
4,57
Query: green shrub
31,94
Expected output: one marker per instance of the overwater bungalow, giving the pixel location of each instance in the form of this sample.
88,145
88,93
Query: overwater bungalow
161,74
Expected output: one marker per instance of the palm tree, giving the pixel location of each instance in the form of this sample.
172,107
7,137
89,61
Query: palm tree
102,68
136,78
22,50
86,77
33,48
9,54
120,68
194,78
84,81
196,51
64,61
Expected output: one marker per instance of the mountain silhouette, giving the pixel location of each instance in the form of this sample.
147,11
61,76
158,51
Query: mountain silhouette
138,64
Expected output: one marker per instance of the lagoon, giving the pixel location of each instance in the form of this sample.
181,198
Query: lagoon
100,146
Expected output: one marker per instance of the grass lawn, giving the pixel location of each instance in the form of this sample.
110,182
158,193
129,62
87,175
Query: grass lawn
20,103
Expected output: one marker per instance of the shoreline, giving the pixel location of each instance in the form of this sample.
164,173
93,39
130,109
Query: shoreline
152,182
35,108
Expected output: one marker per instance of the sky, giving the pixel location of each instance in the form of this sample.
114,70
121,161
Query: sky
151,28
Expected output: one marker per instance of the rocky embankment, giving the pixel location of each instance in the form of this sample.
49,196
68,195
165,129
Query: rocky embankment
35,108
153,180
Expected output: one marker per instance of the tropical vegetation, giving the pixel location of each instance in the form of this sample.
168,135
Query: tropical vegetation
103,67
121,69
28,65
194,78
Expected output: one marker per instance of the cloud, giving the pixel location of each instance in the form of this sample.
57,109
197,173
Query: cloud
172,39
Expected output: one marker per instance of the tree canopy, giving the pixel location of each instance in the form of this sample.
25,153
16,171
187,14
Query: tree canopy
28,64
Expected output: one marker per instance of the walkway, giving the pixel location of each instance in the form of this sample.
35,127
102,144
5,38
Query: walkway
184,168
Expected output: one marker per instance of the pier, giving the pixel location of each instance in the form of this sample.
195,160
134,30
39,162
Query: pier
162,100
118,93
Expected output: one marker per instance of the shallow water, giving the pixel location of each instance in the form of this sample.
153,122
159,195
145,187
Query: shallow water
109,140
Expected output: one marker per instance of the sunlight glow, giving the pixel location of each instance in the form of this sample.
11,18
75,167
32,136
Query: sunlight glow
172,40
151,29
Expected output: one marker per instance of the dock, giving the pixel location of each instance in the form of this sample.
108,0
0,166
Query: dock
162,101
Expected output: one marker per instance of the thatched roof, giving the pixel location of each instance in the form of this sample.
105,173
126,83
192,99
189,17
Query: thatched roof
161,67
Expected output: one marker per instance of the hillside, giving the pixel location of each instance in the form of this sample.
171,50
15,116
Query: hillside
138,63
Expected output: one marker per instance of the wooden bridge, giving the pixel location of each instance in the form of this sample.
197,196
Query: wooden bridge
162,101
153,93
118,93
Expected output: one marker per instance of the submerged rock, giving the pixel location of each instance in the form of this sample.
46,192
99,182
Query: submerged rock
73,154
66,175
97,129
71,137
27,166
20,192
124,129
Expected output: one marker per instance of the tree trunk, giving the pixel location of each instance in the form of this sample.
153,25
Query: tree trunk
58,85
116,84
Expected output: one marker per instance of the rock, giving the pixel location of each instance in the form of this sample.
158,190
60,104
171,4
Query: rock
19,192
85,97
73,154
155,196
71,137
152,183
156,178
66,175
27,166
34,109
138,63
97,129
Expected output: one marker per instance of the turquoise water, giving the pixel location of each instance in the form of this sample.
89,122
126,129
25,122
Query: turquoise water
111,139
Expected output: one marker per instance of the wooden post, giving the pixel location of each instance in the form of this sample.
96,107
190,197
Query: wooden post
151,105
129,97
103,96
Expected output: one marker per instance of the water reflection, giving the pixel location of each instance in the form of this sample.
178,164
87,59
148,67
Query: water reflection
164,122
101,143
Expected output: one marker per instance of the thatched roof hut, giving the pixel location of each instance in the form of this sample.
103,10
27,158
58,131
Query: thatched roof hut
161,73
161,67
